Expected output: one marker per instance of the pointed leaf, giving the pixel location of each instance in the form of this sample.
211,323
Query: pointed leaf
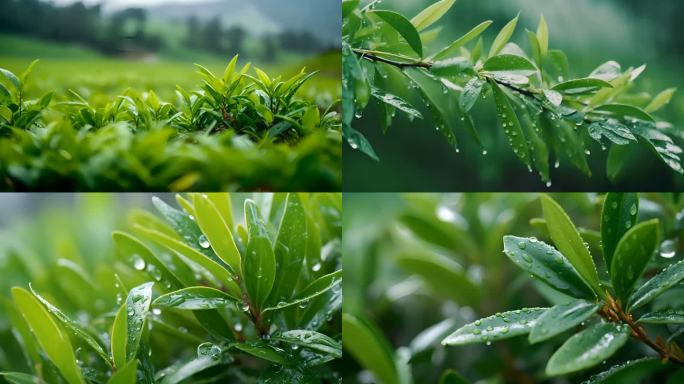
431,14
547,264
404,27
497,327
217,233
569,242
560,318
195,298
260,263
588,348
605,376
461,41
619,214
660,100
509,63
613,130
511,124
470,94
503,36
543,36
368,346
669,316
125,375
312,340
317,288
581,85
52,339
657,285
632,255
396,102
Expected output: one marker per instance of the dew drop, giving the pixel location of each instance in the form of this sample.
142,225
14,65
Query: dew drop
203,242
138,262
668,249
316,267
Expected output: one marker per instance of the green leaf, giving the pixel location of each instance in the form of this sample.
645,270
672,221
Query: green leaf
312,340
441,107
511,124
471,92
129,324
588,348
660,100
607,71
216,270
11,77
461,41
661,144
497,327
625,110
442,274
578,86
77,329
184,226
54,342
316,288
348,6
632,255
290,248
125,375
509,63
217,233
260,262
566,139
431,14
503,36
195,298
263,351
613,130
560,318
619,214
358,141
543,36
21,378
177,374
604,377
450,67
368,346
396,102
4,93
119,337
547,264
669,316
569,242
658,284
404,27
553,97
536,50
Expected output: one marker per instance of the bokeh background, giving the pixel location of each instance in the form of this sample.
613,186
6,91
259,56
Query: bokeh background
458,237
107,46
415,157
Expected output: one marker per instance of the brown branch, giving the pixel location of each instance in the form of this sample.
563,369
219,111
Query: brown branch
614,313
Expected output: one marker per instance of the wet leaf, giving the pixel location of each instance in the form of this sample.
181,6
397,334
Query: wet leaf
471,92
658,284
260,262
396,102
547,264
195,298
217,233
632,255
619,214
510,124
497,327
312,340
616,369
578,86
52,339
669,316
404,27
561,318
588,348
569,242
613,130
509,63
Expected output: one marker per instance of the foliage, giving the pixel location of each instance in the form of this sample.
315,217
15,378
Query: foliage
431,276
269,137
197,294
542,110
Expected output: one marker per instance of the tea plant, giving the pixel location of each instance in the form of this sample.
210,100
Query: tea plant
197,295
609,312
239,131
542,109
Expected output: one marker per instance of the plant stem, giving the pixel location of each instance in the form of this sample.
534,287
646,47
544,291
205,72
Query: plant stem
613,312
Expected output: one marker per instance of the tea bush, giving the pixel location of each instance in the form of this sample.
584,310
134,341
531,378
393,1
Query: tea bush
429,297
197,294
544,112
240,131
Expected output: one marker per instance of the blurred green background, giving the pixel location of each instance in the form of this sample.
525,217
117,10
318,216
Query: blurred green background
458,237
101,48
415,157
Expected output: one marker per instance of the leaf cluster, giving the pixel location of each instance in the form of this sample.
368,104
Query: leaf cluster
199,294
255,124
544,112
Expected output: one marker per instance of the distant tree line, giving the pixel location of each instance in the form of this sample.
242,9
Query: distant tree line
78,23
